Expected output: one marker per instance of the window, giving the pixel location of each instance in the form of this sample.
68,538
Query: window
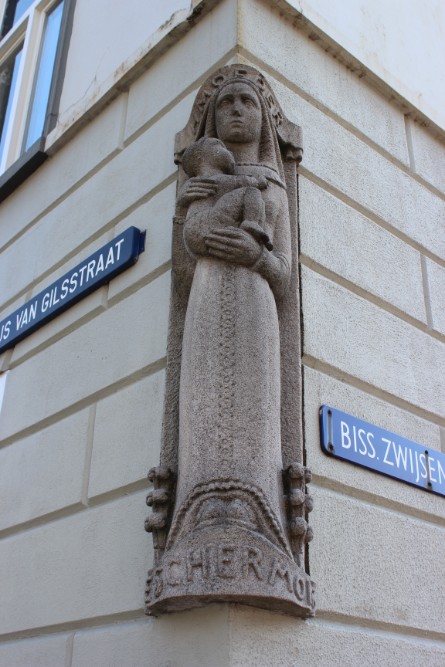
32,49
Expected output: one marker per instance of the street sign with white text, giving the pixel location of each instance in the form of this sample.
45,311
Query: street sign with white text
350,439
99,268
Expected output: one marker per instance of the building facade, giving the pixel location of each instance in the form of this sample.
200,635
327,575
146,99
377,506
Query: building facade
82,396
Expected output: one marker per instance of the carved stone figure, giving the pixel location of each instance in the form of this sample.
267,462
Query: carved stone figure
230,502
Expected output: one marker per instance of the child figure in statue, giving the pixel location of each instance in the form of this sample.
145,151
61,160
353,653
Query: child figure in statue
236,199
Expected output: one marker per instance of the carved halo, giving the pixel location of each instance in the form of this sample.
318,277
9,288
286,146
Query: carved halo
289,134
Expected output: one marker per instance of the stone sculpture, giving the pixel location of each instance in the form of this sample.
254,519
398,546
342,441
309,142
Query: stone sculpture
229,499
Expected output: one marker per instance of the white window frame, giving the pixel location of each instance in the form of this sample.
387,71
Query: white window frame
29,31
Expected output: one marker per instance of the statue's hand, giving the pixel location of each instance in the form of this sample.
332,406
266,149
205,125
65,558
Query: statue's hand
193,189
233,245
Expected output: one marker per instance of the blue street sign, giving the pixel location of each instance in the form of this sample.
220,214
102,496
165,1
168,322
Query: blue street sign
99,268
350,439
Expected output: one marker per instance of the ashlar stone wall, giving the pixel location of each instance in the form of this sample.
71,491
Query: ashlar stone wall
81,416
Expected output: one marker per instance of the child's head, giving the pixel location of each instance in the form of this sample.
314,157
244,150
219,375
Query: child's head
207,152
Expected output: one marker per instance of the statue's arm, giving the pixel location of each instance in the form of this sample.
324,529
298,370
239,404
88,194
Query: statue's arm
193,190
275,266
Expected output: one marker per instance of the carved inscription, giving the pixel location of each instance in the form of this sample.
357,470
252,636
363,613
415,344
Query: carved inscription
229,561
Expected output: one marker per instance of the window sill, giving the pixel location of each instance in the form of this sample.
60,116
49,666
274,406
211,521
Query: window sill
19,171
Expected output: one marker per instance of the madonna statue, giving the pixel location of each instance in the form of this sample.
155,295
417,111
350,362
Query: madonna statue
229,498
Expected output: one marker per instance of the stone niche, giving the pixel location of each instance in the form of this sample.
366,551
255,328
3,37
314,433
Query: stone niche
229,502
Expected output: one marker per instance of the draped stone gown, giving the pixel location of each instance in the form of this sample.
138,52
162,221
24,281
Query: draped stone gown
230,381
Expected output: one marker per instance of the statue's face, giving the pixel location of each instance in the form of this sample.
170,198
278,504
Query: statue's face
238,114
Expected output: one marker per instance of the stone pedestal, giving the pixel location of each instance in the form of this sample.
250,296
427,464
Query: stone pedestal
233,561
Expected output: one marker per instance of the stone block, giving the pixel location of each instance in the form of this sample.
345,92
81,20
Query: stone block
127,435
436,289
96,142
156,218
261,638
307,65
36,274
89,211
5,312
38,652
321,389
3,377
12,305
349,333
43,472
429,155
347,243
61,325
197,638
376,565
72,318
121,341
364,177
90,564
94,70
199,51
4,364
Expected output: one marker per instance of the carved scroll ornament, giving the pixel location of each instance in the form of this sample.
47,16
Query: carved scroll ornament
229,502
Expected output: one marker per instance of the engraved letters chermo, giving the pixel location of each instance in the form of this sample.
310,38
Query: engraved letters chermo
229,502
